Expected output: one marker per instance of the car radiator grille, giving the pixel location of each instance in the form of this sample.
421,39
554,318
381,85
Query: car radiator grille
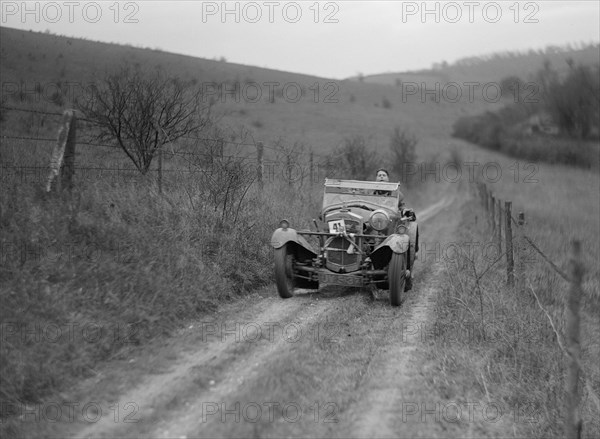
340,255
338,259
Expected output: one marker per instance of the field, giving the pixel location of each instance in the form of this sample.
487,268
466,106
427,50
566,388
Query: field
120,255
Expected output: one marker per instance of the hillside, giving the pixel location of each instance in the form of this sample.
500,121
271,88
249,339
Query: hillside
328,112
496,66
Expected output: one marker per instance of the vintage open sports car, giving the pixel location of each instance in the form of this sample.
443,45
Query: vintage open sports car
369,238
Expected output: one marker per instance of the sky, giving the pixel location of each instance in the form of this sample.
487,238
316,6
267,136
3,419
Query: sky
332,39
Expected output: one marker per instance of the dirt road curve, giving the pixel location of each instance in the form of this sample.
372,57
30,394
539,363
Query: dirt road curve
340,363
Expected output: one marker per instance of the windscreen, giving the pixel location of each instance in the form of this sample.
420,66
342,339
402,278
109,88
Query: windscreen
338,195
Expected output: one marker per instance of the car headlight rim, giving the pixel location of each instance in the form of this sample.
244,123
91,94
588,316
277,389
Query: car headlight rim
379,220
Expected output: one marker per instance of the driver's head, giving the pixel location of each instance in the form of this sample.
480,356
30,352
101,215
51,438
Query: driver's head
382,175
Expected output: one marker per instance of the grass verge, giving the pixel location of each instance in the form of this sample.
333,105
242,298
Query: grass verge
110,266
491,345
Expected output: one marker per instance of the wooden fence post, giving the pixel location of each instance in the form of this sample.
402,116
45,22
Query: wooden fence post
520,274
486,202
160,169
493,215
259,166
63,155
310,164
573,422
69,158
509,244
484,196
499,230
221,148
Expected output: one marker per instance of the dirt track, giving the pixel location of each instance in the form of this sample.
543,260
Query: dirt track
340,363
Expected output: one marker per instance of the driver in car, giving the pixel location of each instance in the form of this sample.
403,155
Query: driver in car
383,175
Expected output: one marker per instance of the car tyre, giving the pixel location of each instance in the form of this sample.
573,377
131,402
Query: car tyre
397,278
284,278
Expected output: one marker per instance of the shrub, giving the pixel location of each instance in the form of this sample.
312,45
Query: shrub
489,130
357,160
402,147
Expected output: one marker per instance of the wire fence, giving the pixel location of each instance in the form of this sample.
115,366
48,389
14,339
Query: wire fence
500,221
26,158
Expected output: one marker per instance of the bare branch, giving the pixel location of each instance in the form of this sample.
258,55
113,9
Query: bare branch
129,106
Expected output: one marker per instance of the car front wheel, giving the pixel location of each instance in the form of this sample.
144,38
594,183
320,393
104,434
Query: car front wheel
397,278
284,277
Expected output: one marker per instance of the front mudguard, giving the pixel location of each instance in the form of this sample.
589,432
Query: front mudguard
282,236
397,243
413,234
301,250
382,254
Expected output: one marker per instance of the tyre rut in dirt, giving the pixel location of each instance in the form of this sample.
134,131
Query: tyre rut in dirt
283,272
397,278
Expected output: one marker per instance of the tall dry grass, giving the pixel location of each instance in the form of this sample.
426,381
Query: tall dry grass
88,274
501,347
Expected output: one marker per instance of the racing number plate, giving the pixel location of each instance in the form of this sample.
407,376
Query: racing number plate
341,279
337,226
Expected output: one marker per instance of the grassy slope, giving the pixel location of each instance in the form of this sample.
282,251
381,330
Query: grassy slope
48,59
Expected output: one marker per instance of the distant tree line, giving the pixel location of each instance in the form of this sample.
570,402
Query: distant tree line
568,105
573,102
547,51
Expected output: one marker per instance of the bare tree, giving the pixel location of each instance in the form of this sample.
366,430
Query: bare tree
141,112
290,157
402,147
573,102
220,175
357,158
225,184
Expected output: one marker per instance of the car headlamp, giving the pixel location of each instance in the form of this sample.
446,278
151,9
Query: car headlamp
379,220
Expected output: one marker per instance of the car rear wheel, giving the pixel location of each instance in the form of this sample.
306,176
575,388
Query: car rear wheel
284,278
397,278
